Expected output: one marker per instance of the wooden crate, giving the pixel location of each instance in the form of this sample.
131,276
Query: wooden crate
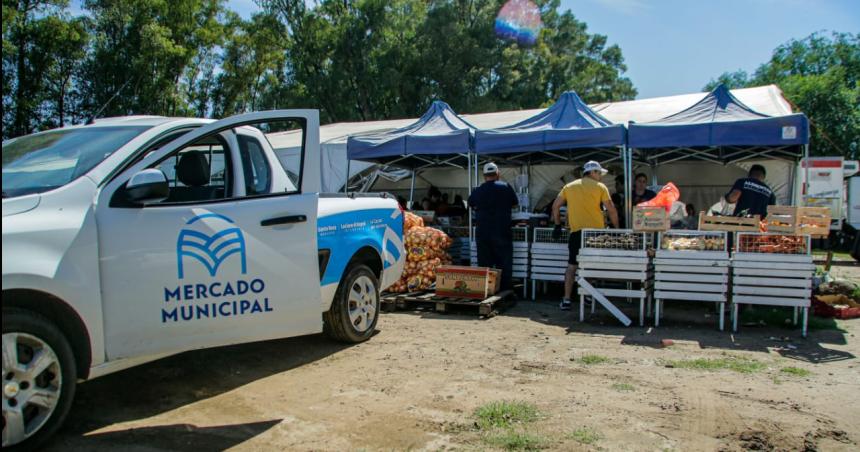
650,219
728,223
796,220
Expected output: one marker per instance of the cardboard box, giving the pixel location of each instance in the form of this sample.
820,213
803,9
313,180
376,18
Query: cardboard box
650,219
467,282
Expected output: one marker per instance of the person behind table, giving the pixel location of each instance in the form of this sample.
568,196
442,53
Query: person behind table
435,196
640,189
443,208
493,202
751,195
692,220
583,197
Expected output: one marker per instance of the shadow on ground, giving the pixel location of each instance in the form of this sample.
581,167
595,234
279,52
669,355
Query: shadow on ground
176,381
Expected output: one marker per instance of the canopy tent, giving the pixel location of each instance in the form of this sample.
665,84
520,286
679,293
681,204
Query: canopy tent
568,124
721,129
568,132
438,138
548,179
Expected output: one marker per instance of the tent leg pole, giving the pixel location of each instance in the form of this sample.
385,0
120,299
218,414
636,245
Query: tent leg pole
468,195
412,190
805,175
346,184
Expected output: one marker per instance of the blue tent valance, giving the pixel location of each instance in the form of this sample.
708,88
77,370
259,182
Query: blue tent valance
720,119
438,136
567,124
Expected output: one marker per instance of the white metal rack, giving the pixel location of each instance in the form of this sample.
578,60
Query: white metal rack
521,255
548,257
691,266
772,270
619,255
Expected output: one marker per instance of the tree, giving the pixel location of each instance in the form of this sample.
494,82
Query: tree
27,26
141,51
819,76
373,59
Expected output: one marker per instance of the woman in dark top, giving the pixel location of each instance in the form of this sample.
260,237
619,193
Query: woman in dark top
640,190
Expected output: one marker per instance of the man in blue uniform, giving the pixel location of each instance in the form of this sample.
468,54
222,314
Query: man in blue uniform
493,202
751,195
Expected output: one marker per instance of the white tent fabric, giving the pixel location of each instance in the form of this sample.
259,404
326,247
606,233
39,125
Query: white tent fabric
700,183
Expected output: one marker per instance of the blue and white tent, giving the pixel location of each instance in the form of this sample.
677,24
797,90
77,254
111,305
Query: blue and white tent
438,138
720,128
567,125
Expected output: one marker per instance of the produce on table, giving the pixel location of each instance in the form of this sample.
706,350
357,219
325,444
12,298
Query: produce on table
425,252
615,241
692,243
773,244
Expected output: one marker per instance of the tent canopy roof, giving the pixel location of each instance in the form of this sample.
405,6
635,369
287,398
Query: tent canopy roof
567,124
720,119
439,136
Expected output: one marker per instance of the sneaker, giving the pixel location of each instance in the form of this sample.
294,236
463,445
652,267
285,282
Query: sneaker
564,305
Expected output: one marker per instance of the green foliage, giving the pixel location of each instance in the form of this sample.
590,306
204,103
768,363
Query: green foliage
513,440
796,371
736,364
593,359
354,60
623,387
819,76
503,414
585,435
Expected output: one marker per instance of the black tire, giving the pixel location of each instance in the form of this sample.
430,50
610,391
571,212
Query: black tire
336,321
23,321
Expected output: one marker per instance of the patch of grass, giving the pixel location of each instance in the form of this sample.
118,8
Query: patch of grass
584,435
623,387
593,359
795,371
503,414
740,365
512,440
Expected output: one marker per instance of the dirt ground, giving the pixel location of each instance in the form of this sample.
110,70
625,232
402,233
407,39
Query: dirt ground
417,383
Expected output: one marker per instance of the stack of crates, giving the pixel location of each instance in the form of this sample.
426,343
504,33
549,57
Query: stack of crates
692,266
615,256
548,259
460,247
772,270
521,255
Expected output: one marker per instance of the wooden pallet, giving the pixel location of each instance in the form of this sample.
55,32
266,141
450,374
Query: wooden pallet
729,223
486,308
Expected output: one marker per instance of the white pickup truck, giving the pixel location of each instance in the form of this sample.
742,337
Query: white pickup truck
139,237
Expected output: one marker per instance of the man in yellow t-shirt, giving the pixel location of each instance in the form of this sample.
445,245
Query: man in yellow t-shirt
583,197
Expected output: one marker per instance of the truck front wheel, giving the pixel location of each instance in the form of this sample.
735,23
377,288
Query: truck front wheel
39,379
355,308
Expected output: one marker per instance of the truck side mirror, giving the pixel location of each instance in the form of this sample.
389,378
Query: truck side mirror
147,187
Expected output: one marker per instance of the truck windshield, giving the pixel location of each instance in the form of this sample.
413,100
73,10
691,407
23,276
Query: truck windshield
45,161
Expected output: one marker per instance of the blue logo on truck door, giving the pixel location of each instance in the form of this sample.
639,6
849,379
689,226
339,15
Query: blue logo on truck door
210,243
210,250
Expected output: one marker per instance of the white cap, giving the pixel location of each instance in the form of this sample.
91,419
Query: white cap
594,166
491,168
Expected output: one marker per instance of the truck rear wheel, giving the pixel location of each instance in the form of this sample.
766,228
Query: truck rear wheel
39,378
355,308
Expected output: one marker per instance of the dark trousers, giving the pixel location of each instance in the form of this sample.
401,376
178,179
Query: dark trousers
497,252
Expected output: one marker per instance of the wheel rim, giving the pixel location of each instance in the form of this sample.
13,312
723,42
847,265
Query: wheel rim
362,303
32,381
